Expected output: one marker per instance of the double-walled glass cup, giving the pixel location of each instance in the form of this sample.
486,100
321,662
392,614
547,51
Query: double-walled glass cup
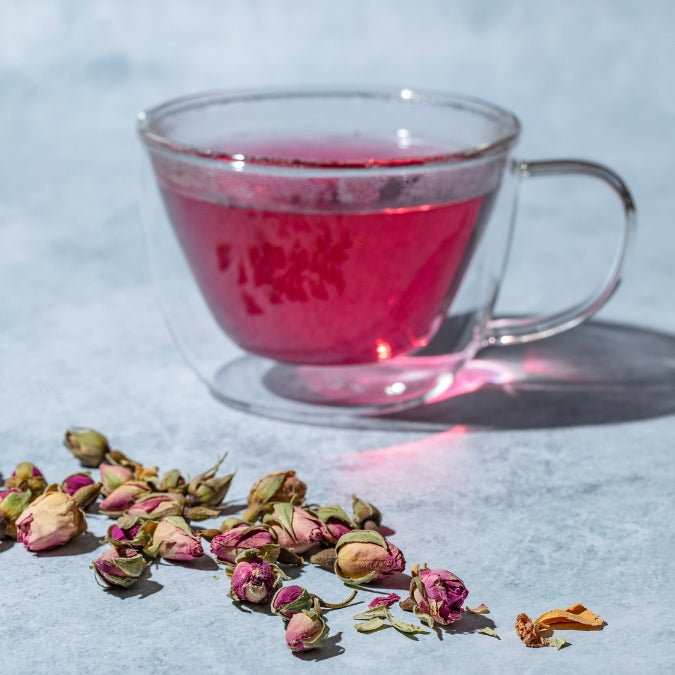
334,256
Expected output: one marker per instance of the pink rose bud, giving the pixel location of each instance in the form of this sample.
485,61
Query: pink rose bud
112,476
437,595
306,630
295,528
120,567
27,477
155,506
254,579
335,523
365,555
229,545
123,498
89,446
290,600
173,539
125,531
54,518
76,481
12,504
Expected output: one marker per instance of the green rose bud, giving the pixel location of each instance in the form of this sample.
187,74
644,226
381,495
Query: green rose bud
89,446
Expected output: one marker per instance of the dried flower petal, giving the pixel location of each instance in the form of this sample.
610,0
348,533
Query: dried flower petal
481,609
527,632
575,617
296,529
384,601
172,539
229,545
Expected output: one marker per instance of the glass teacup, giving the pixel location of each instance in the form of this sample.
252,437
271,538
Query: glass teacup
310,245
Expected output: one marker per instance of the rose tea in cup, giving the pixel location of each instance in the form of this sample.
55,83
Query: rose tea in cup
309,245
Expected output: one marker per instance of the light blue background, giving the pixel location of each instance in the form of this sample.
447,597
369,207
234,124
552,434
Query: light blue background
531,518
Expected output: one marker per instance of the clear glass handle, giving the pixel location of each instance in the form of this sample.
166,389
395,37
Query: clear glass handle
516,331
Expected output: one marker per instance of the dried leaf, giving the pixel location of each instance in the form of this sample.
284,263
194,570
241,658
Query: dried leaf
575,617
528,633
407,628
481,609
373,612
558,643
488,631
370,626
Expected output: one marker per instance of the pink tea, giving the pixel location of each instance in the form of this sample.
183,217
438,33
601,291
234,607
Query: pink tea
318,280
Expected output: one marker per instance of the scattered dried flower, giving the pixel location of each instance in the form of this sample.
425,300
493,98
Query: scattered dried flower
364,556
112,476
229,545
365,516
207,489
89,446
438,595
172,539
155,506
528,633
296,529
254,579
12,504
123,497
335,521
27,477
279,486
120,567
306,630
53,519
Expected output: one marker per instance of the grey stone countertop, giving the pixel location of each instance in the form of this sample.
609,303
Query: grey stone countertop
538,497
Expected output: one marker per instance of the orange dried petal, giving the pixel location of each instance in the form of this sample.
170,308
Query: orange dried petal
528,632
575,617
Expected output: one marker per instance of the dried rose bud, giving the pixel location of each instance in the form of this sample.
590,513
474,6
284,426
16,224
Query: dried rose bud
364,556
89,446
27,477
112,476
296,529
155,506
306,630
254,579
232,522
82,488
54,518
125,530
12,504
229,545
172,539
76,481
208,489
335,522
172,481
438,595
280,486
123,498
365,516
119,567
290,600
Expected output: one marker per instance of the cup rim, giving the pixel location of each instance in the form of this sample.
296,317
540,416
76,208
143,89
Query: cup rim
154,139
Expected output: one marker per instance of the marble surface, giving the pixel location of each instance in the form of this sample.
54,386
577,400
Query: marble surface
539,492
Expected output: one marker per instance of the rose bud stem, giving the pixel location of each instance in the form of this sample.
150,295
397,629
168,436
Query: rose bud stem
337,605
